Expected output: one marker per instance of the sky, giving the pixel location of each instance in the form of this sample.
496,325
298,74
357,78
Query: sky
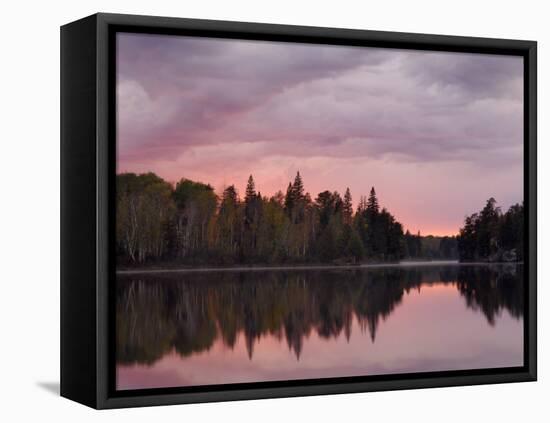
435,133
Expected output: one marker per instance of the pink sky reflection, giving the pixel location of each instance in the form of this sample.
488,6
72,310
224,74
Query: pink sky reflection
431,330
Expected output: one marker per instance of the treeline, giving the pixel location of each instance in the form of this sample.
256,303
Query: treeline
492,235
191,224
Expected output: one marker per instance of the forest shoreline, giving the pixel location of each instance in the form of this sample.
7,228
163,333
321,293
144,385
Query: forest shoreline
240,268
165,226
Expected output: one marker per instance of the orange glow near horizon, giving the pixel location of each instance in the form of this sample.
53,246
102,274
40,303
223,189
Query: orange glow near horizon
411,219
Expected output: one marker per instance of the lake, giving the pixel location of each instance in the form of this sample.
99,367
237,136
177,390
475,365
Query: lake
233,326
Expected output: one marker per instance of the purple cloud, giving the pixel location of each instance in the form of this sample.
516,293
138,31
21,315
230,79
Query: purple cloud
215,109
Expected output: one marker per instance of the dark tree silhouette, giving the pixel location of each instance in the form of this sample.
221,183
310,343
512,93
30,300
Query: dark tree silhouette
372,203
491,235
188,224
347,208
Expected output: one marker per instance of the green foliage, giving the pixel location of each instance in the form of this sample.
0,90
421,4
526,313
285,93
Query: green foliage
190,224
354,246
511,231
430,247
448,247
372,203
196,205
144,211
413,245
381,234
347,208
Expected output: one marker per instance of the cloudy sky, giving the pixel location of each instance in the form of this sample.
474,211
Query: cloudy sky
437,134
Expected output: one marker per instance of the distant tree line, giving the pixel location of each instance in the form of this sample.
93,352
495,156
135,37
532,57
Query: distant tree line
190,224
491,235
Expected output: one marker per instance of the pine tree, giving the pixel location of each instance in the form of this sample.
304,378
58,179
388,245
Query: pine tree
372,203
374,241
362,206
250,193
289,199
354,247
250,202
230,196
325,204
347,210
295,200
298,187
467,239
488,228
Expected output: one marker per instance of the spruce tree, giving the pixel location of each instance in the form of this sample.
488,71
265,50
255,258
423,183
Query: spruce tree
489,219
289,199
250,201
362,206
230,197
375,237
296,204
347,209
372,203
250,193
298,187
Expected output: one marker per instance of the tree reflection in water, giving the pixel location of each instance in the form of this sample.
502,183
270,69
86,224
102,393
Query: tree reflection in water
187,312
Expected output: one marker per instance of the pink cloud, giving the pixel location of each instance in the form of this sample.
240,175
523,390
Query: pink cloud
436,133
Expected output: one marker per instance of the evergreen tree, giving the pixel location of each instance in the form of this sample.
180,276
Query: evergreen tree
250,200
360,221
362,206
511,230
252,212
372,203
355,248
298,188
347,210
188,223
327,205
230,197
394,234
298,198
413,245
488,229
289,199
492,236
250,193
374,240
467,239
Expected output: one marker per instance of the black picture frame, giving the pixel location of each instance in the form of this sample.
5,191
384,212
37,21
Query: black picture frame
87,193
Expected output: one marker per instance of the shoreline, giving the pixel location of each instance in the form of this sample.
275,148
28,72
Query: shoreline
312,267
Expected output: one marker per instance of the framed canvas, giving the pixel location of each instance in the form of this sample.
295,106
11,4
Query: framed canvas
255,211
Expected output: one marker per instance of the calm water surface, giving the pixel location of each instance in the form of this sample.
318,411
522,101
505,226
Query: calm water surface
202,328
